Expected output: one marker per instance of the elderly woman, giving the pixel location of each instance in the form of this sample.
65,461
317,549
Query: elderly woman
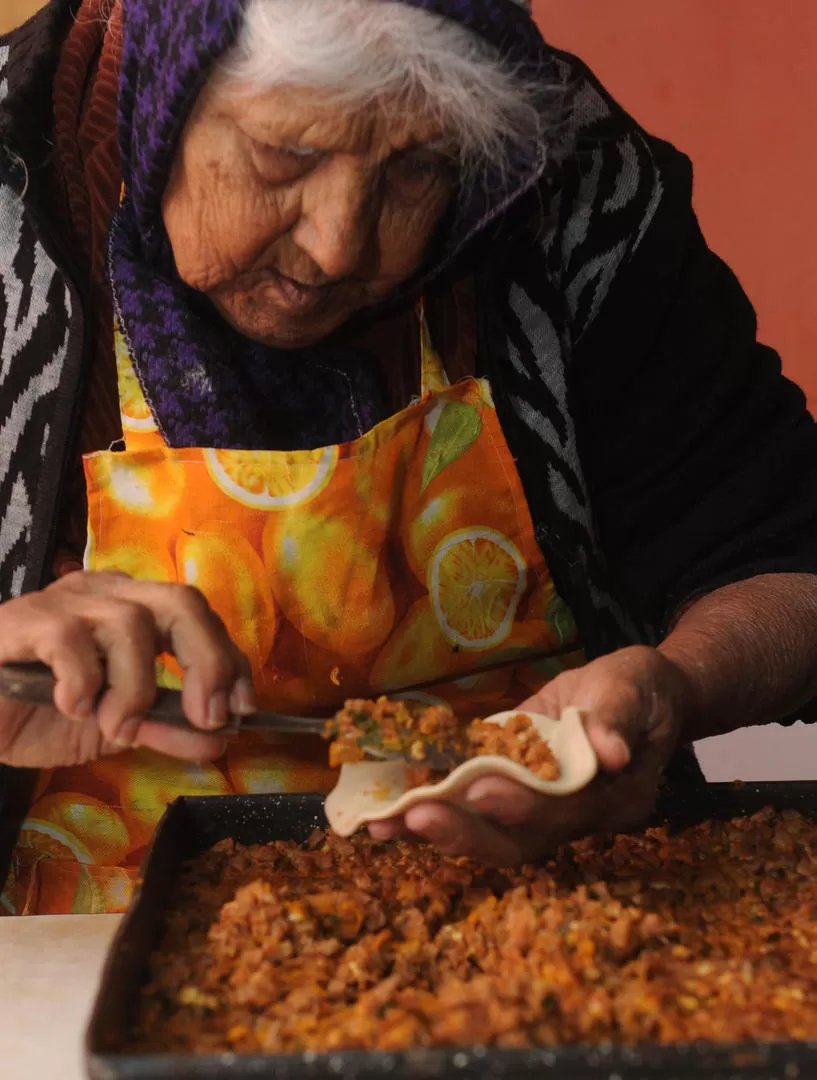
397,363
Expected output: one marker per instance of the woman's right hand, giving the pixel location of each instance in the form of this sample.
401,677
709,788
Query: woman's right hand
87,624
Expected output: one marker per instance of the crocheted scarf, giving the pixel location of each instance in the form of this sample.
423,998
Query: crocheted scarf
205,383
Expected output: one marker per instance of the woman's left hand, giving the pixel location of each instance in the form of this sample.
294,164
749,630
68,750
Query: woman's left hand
635,702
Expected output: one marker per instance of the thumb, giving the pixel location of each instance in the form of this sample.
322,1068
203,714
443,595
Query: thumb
619,710
615,705
612,737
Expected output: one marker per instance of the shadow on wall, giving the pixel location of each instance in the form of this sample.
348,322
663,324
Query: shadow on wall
739,95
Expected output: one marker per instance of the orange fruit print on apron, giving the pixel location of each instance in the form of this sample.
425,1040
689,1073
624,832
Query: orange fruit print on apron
401,563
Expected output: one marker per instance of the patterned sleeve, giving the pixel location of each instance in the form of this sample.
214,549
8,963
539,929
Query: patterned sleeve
40,342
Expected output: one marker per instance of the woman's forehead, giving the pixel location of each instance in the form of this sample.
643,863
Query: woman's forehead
307,117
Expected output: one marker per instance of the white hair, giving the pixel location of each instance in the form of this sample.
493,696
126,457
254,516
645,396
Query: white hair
363,51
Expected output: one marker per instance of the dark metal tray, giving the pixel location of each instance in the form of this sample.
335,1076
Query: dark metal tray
192,825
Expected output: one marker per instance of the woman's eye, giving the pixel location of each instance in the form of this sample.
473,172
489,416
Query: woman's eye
415,175
280,164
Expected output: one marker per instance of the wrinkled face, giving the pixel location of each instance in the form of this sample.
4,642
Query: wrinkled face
291,214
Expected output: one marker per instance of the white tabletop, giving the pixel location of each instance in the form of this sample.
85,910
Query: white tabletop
49,968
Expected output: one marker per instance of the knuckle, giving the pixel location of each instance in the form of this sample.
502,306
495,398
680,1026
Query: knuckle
191,601
106,577
67,584
62,631
135,620
217,665
630,698
84,581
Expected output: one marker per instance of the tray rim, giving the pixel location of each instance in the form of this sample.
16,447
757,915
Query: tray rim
789,1060
678,1061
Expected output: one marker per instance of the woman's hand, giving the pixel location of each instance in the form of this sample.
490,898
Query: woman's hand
88,624
635,703
741,655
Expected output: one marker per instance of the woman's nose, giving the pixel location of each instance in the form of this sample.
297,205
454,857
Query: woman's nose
337,224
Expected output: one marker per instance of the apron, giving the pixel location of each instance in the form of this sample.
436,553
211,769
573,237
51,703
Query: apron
402,563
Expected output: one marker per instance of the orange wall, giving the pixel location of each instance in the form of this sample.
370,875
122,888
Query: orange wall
14,12
734,85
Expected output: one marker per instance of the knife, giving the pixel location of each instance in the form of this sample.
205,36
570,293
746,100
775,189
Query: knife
33,684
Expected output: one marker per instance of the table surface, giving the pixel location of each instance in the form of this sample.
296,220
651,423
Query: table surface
49,969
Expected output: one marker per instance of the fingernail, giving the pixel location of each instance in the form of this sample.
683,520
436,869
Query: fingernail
242,699
480,803
217,713
125,738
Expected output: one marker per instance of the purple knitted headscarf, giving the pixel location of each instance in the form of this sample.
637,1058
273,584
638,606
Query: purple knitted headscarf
206,384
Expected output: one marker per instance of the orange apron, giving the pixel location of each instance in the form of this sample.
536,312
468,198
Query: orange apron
402,563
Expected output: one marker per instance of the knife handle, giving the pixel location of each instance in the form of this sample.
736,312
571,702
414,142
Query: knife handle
30,683
34,684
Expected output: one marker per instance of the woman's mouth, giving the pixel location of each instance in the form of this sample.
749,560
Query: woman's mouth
296,296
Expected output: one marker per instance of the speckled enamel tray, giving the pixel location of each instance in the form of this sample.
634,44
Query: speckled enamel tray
192,825
373,790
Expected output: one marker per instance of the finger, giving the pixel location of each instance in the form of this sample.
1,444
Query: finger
457,832
390,829
617,712
611,734
243,701
615,693
549,701
64,642
607,722
70,651
218,676
126,633
503,800
187,745
611,747
197,637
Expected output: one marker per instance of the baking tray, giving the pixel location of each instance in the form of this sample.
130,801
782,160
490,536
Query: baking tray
192,825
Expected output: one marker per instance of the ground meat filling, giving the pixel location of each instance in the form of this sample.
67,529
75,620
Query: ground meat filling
398,726
518,740
709,934
405,727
